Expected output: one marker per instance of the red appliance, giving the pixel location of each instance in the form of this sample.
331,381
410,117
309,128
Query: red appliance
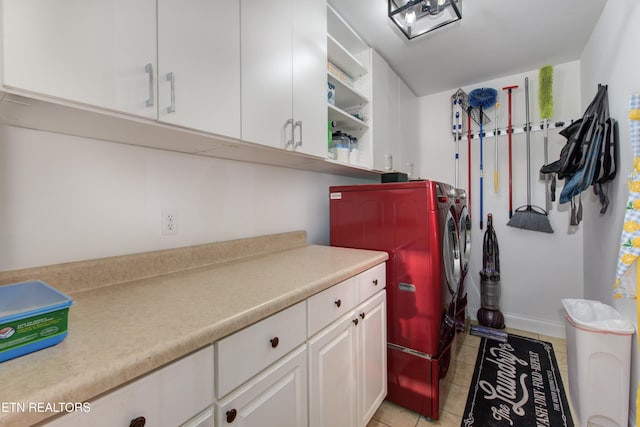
416,223
464,232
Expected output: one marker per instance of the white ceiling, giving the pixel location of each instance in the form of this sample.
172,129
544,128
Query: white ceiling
495,38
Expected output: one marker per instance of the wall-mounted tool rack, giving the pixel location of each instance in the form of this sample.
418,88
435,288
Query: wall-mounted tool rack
520,129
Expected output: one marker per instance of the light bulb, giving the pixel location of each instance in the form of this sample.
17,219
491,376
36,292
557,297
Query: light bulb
410,19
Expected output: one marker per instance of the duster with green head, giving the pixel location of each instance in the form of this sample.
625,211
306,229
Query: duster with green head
545,101
545,92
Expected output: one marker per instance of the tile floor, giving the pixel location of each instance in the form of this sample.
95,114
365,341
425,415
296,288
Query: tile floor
454,390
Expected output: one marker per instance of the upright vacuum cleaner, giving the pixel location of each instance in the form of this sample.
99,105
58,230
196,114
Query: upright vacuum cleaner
489,315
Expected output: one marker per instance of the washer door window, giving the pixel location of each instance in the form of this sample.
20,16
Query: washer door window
465,239
451,253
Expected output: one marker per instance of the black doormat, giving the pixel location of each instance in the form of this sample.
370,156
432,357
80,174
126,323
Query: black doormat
516,384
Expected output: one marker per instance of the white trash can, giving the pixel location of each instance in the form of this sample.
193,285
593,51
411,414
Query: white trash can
598,359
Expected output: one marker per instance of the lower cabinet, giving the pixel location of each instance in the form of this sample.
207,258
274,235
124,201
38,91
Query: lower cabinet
167,397
347,367
275,398
318,363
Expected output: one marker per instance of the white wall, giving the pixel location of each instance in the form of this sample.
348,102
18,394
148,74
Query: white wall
611,57
537,269
66,198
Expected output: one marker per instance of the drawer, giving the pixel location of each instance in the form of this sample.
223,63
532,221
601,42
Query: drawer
167,397
244,354
371,281
330,304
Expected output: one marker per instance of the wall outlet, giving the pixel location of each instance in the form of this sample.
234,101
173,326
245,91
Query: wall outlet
169,221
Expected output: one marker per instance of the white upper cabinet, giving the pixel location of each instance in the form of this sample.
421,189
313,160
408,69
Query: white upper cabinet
101,53
395,121
282,52
199,65
310,77
409,131
267,70
195,76
385,91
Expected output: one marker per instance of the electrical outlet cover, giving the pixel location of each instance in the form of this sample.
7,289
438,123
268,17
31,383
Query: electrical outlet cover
169,221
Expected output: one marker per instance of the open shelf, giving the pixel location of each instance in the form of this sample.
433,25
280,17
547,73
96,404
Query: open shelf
346,96
343,59
346,122
340,30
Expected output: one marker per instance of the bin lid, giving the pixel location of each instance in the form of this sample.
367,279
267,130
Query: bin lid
32,298
596,315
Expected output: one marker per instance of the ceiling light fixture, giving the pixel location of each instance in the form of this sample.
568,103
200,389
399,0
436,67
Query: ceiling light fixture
417,17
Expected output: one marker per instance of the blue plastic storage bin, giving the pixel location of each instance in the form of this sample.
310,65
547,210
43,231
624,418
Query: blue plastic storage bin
33,316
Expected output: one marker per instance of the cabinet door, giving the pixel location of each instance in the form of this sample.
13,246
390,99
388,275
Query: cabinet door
409,132
199,65
381,110
101,53
276,398
393,142
266,76
332,375
310,76
372,356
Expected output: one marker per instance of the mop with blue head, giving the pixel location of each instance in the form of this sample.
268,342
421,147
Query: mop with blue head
481,99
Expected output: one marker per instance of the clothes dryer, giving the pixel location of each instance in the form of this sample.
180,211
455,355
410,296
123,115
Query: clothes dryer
464,232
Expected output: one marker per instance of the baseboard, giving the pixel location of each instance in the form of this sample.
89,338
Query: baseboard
538,326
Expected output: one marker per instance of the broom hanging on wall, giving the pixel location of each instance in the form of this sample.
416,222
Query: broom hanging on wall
530,217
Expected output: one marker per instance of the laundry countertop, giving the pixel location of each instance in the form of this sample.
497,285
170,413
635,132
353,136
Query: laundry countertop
122,331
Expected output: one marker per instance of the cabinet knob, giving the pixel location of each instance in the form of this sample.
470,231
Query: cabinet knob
274,342
231,415
355,321
362,315
338,303
138,422
375,282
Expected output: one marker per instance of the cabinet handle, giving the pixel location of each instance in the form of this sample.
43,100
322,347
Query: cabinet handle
299,142
172,80
362,315
355,321
274,342
338,303
289,141
149,70
138,422
375,282
388,162
231,415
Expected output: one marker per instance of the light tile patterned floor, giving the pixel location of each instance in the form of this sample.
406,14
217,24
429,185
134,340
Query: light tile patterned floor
456,386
